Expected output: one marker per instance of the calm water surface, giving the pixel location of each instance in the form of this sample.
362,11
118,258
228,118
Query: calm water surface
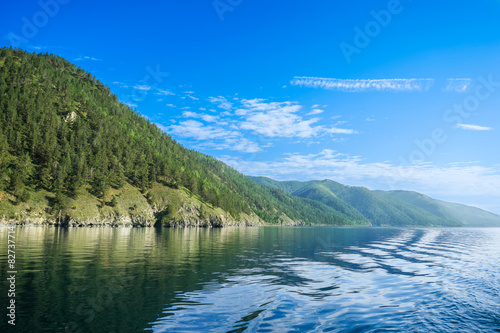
267,279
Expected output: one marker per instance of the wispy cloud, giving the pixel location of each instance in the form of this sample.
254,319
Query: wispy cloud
253,118
470,127
121,84
394,85
212,137
315,111
142,87
164,92
236,144
335,130
281,119
206,117
198,131
86,58
131,105
221,102
458,85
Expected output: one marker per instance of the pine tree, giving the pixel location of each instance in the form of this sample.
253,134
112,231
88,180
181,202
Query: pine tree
113,202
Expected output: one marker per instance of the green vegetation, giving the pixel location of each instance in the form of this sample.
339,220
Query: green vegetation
65,134
466,215
380,208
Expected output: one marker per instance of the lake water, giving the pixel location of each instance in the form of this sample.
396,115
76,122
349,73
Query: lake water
265,279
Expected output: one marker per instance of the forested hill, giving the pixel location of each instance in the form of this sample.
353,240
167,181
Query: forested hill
382,208
71,153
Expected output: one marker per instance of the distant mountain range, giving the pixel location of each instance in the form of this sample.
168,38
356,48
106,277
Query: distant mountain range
385,208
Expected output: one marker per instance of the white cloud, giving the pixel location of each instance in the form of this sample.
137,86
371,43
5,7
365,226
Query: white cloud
458,85
121,84
86,58
131,105
236,144
198,131
212,137
170,105
281,119
231,129
164,92
473,127
396,85
315,111
142,87
335,130
209,118
205,117
189,114
221,102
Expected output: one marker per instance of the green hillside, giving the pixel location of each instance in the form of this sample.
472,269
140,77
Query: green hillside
381,208
321,193
466,215
417,199
72,153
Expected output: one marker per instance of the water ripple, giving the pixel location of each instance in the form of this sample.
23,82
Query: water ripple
421,280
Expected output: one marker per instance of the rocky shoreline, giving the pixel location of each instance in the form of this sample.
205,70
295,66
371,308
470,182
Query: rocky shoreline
117,220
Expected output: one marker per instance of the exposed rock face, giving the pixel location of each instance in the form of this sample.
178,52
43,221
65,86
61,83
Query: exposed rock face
186,212
187,216
214,221
70,117
116,220
28,220
112,221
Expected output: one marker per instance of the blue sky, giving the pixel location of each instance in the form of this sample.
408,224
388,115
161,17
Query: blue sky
384,94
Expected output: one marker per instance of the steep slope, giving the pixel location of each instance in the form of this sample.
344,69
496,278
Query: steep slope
467,215
471,216
379,209
419,200
71,153
321,193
